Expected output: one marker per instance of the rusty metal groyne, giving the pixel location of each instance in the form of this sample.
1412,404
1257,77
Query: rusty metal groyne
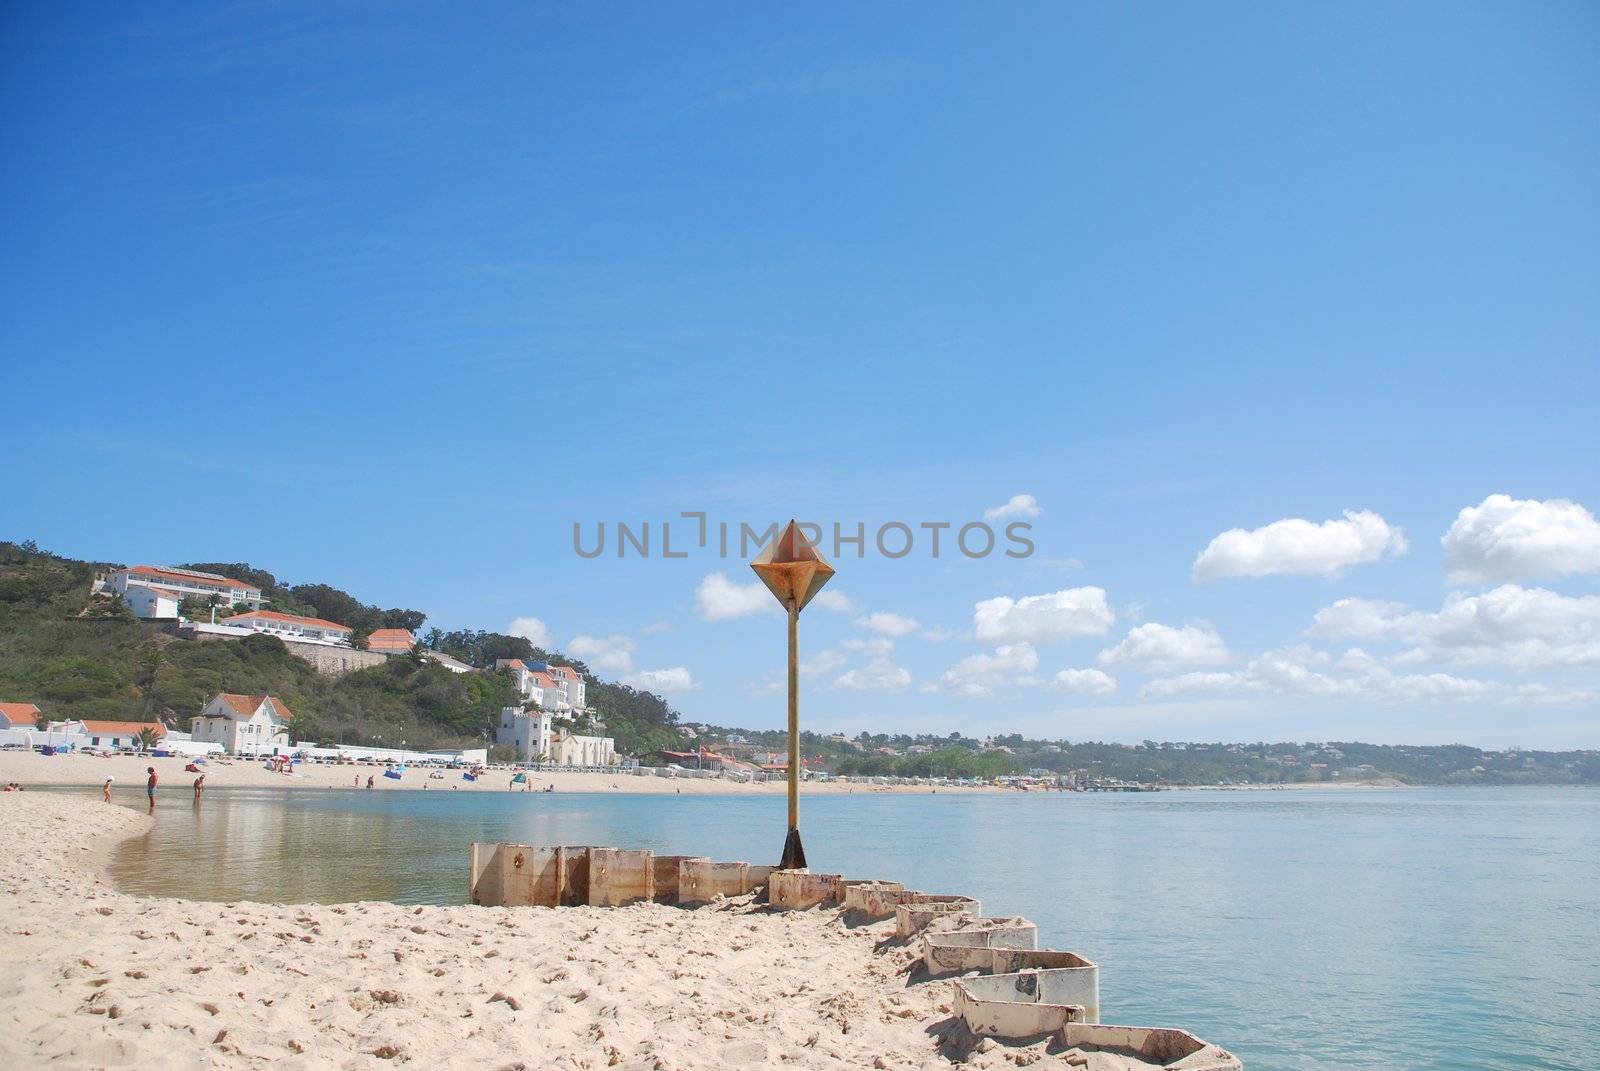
1007,986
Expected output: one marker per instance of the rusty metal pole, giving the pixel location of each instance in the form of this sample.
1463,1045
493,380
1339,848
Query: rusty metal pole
794,571
794,725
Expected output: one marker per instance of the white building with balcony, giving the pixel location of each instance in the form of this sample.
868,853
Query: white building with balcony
291,627
172,586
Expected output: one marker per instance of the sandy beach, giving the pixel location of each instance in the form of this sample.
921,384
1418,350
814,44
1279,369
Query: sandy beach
30,768
90,977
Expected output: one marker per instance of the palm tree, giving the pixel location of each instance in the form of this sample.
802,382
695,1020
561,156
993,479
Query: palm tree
145,673
148,738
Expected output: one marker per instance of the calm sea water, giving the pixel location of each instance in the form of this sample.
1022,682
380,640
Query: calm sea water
1426,928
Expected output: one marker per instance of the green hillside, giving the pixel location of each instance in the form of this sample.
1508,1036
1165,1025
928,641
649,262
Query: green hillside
78,657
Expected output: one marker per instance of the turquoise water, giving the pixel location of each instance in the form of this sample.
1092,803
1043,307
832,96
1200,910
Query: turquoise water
1424,928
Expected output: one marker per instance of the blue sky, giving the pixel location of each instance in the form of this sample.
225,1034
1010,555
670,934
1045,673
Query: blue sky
390,296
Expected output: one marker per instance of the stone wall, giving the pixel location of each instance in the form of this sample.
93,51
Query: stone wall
334,661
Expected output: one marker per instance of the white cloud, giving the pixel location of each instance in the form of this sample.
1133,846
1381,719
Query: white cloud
610,653
978,675
531,629
661,681
877,646
1505,538
1297,547
718,598
940,634
823,662
1163,647
1016,506
1523,628
1301,671
888,624
1041,618
837,601
1084,682
879,675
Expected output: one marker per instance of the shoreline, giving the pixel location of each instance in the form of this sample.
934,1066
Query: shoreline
93,977
90,771
32,769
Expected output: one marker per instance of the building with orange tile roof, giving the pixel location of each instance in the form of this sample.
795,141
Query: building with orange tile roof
291,626
19,716
135,582
108,734
391,641
244,724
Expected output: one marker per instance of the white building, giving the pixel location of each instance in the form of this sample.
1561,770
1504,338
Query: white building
452,664
529,732
244,724
107,733
530,684
291,627
557,688
570,749
569,680
536,739
175,584
153,604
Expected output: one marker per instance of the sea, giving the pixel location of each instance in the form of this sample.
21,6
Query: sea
1424,928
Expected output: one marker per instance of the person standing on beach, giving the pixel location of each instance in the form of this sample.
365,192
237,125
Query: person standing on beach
199,787
106,788
369,780
150,787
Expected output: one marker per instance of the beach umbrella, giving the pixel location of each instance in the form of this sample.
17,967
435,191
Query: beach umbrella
794,571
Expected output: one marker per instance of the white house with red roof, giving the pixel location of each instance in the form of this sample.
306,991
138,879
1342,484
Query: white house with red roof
244,724
19,716
170,586
291,627
557,688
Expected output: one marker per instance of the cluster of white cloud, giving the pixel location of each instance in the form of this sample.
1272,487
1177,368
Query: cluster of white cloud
1042,618
672,681
1302,671
1297,547
1505,538
613,654
978,675
1016,506
1524,629
1163,647
719,598
1084,682
531,629
878,675
888,624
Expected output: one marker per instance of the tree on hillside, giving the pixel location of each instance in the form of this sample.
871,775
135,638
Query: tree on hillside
147,669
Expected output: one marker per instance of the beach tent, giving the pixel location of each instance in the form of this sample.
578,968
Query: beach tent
395,773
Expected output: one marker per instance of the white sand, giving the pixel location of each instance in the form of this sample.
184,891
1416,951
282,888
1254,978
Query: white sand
30,768
90,977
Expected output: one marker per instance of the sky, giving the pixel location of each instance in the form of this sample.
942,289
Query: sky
1278,325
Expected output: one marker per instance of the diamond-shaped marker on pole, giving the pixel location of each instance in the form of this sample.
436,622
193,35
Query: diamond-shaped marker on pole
792,568
794,571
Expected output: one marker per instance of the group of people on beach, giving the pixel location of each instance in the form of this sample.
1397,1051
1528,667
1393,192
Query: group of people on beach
150,787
